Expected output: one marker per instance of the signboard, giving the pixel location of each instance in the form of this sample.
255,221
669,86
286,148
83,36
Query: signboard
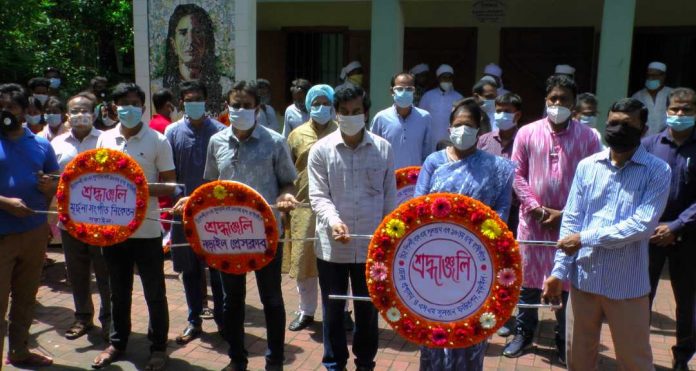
444,271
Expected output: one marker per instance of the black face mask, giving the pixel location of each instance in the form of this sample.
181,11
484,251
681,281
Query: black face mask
8,122
622,138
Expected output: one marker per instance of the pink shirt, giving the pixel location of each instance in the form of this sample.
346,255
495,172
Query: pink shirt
546,163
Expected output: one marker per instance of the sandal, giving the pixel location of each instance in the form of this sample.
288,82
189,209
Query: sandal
157,362
31,361
78,329
105,358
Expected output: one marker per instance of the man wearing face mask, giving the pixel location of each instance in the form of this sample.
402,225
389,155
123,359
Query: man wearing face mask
675,236
79,257
303,262
613,208
546,152
422,74
296,114
165,110
55,79
23,155
654,96
496,73
351,75
405,127
54,116
438,102
351,188
258,157
152,152
189,138
585,112
39,86
485,91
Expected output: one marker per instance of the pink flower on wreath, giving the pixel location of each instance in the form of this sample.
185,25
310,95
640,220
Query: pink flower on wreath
412,176
441,207
507,277
378,272
64,218
122,163
438,336
139,179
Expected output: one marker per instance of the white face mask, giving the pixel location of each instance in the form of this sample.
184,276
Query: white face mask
242,119
463,137
41,98
557,114
81,120
504,120
351,125
446,86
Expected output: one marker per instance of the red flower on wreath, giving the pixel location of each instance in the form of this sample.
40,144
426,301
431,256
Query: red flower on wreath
109,233
380,288
133,225
408,217
140,204
63,217
438,336
385,241
139,180
422,210
503,244
252,264
413,176
60,196
269,253
478,217
378,254
80,230
464,332
503,295
82,162
441,207
408,326
122,163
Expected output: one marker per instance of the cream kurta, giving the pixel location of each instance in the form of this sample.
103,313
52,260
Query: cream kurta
303,262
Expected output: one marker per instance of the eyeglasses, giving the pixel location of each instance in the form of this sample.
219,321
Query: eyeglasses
401,89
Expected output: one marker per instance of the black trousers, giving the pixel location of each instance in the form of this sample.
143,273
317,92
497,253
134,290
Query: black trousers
681,258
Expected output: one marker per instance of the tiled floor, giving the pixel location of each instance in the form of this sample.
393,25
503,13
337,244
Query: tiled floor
303,349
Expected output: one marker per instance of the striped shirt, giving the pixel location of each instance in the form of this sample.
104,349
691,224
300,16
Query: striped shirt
615,210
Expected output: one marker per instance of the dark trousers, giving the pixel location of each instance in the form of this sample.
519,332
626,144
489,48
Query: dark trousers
147,254
528,319
193,279
333,280
268,282
79,258
682,275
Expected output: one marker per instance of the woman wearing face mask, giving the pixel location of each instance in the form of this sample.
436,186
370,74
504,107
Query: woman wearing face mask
33,117
303,261
462,168
54,117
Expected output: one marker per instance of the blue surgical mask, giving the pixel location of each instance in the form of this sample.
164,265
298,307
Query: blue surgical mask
53,119
243,118
590,121
321,114
463,137
504,120
194,110
129,116
403,98
54,83
680,123
488,106
33,119
652,84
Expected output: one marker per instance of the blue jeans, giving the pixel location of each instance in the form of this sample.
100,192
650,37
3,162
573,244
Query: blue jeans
333,279
268,282
192,271
457,359
528,319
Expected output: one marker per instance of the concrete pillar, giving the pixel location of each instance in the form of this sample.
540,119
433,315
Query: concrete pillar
141,51
487,50
387,50
245,40
614,54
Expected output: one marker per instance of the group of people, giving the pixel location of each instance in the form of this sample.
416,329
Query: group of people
618,213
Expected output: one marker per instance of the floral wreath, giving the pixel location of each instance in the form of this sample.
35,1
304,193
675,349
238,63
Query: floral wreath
494,235
229,193
102,161
407,176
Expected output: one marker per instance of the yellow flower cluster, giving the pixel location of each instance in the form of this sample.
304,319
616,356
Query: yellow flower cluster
101,156
491,229
395,228
219,192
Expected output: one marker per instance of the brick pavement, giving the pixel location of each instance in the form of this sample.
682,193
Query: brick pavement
303,349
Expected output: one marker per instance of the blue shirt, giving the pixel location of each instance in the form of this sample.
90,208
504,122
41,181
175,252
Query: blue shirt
189,146
481,175
410,137
615,210
262,161
20,160
680,213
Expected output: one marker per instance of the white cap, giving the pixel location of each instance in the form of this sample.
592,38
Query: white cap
657,66
419,68
493,70
354,65
444,68
489,79
565,69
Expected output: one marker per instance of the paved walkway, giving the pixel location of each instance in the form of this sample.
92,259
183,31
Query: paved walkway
303,349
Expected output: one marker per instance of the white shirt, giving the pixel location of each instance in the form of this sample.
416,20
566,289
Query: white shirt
153,153
268,118
657,109
48,134
356,187
439,105
67,147
293,118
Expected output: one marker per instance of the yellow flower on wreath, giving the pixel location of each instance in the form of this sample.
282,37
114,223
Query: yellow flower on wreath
102,156
219,192
491,229
395,228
